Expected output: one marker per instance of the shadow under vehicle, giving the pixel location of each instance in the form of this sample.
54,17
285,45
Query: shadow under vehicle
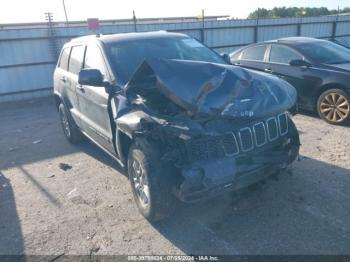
184,123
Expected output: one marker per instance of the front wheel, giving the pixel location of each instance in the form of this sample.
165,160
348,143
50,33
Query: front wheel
71,131
150,182
333,106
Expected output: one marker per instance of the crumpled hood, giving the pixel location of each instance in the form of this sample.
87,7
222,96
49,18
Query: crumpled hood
214,89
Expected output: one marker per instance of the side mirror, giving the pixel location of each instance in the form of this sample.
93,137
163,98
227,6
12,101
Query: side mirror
226,58
91,77
299,62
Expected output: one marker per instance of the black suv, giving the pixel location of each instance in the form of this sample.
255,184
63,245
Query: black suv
183,122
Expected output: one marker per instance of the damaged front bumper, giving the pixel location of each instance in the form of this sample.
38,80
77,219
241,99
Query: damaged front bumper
220,163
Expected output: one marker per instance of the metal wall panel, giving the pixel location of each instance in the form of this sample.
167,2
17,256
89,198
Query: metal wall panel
25,52
273,32
317,30
228,36
29,51
26,78
343,28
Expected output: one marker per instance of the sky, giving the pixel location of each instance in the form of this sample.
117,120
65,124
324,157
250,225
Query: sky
22,11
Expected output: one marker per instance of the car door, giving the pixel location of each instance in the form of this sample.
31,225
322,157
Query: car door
70,79
93,102
62,83
252,57
302,78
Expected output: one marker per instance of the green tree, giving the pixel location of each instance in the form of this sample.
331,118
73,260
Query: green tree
278,12
259,13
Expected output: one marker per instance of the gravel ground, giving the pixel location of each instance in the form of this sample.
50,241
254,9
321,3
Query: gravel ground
56,198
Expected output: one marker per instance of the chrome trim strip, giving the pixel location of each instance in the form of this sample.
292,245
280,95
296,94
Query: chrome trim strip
279,123
251,138
236,143
268,129
265,138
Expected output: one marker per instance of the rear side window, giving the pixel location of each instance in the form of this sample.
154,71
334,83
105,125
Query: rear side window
282,54
255,53
76,59
63,63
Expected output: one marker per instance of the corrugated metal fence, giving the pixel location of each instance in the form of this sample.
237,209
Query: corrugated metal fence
28,53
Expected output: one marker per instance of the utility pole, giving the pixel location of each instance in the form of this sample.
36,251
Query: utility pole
134,19
49,18
52,35
65,12
203,27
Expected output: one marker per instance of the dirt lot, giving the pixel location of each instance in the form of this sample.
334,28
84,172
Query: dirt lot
56,198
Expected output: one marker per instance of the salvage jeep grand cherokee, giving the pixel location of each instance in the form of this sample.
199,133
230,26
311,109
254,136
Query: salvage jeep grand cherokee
184,123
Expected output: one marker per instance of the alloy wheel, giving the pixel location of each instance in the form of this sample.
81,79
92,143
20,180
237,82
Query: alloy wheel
65,123
140,182
335,107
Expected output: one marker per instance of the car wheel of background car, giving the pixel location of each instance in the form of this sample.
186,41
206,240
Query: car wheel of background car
333,106
150,182
70,129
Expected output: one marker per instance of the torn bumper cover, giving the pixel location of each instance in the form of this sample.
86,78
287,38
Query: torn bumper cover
232,128
233,161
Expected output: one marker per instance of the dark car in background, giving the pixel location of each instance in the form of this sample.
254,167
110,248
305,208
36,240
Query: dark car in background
318,69
183,122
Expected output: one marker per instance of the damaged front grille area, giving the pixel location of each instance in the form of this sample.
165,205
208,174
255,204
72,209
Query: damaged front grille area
240,141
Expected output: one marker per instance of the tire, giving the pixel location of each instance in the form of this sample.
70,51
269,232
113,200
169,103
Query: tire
150,182
70,129
333,106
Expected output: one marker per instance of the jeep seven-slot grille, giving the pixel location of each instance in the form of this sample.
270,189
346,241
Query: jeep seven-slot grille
272,128
230,144
246,139
260,134
243,140
283,123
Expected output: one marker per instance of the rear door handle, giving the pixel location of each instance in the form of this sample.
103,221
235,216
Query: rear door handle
63,79
268,70
238,63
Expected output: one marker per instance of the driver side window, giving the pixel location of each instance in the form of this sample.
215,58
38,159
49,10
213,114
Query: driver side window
283,55
94,59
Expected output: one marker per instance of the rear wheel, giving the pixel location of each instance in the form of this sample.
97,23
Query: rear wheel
71,131
333,106
150,182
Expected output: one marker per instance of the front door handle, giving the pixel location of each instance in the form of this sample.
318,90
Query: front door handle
63,79
268,70
237,63
81,88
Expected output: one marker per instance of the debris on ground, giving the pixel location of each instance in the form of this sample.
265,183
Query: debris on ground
37,141
91,236
75,197
94,249
64,166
